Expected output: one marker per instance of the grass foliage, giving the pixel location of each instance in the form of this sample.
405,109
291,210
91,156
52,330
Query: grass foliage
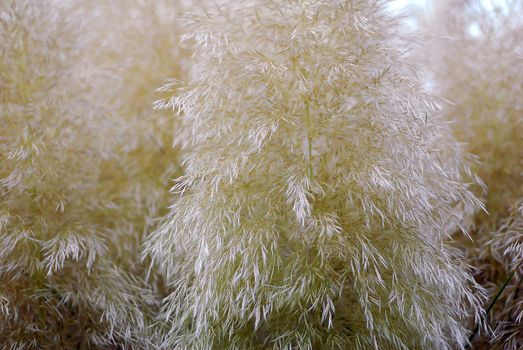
84,172
319,184
319,194
477,66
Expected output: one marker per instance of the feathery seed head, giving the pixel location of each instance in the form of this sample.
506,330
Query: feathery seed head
318,188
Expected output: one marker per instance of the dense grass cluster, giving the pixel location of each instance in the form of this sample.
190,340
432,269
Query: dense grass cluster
84,171
476,63
318,186
321,197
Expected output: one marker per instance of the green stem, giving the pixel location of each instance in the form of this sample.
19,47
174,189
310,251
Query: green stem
492,303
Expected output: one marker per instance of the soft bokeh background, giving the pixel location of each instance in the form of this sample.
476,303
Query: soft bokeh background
413,7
